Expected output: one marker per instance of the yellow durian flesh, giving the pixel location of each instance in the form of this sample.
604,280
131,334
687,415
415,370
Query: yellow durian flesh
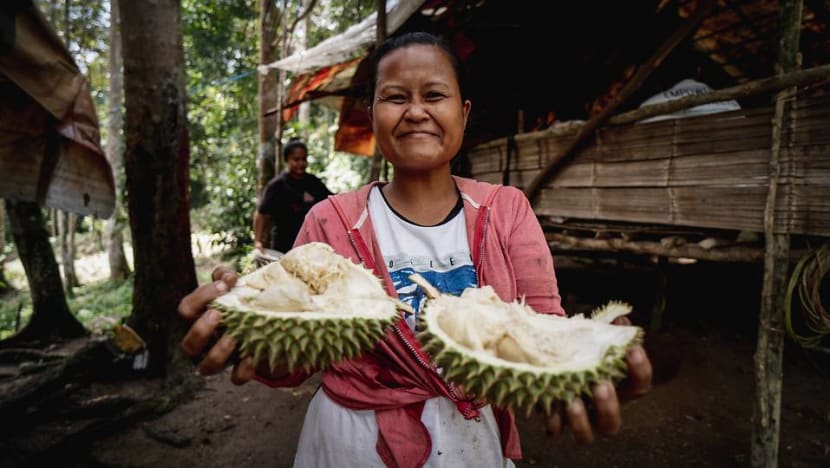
301,310
517,358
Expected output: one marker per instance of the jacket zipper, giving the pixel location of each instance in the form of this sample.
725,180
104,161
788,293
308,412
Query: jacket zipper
449,386
481,241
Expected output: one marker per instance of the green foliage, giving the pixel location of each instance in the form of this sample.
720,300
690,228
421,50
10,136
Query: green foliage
86,38
13,303
222,53
97,306
220,40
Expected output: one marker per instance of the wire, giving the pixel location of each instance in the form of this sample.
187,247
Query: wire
806,279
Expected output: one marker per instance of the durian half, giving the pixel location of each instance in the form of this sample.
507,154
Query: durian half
310,309
514,357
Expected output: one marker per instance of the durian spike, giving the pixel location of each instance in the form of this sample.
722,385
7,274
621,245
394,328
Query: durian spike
611,311
429,289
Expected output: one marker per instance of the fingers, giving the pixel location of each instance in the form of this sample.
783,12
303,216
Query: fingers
553,423
604,418
579,422
228,275
194,303
244,371
201,333
638,381
218,356
621,320
606,409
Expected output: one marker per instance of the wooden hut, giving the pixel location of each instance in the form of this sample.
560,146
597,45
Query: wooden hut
50,151
556,91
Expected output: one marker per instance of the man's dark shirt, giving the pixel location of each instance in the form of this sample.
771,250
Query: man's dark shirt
287,200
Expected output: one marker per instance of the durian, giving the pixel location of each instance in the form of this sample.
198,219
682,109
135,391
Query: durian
516,358
310,309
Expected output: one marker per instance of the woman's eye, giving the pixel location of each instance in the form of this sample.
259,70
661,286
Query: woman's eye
394,98
434,96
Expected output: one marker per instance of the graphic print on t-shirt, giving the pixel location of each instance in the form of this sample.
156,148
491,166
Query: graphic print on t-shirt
450,281
440,253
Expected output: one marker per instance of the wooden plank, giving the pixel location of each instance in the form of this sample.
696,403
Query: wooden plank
20,163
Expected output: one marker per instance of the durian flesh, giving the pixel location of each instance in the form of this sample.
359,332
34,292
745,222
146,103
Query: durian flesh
517,358
310,309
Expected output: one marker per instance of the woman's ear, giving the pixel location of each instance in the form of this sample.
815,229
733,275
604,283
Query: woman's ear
466,110
369,113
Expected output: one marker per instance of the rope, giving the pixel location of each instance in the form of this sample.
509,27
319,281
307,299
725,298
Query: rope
806,280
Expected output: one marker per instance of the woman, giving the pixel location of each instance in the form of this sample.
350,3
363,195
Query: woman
386,407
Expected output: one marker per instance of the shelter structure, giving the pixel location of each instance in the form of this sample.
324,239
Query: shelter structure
50,149
556,91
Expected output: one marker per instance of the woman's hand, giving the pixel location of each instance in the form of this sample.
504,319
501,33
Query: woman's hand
605,418
201,338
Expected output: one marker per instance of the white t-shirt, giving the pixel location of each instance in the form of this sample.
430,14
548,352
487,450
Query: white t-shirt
334,436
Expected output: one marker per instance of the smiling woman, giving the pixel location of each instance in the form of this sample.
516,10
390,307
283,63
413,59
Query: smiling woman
458,233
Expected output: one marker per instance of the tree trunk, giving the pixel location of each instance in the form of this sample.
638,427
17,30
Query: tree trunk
4,284
67,223
114,233
51,318
156,163
267,158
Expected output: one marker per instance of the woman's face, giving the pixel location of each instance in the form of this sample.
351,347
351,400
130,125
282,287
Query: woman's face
297,161
417,114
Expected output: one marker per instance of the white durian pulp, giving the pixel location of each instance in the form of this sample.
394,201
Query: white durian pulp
308,310
480,322
308,279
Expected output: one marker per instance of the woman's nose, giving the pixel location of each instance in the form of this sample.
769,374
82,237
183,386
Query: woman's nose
416,111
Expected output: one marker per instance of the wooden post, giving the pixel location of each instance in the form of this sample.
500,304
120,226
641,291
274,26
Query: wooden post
640,76
770,349
380,36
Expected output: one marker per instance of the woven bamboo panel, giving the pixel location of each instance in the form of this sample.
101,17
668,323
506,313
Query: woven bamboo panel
708,171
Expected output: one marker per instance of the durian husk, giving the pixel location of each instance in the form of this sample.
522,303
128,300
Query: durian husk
311,309
475,357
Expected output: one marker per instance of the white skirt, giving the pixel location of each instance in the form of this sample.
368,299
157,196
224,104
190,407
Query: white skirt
334,436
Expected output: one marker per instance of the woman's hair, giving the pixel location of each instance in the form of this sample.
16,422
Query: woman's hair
409,39
292,144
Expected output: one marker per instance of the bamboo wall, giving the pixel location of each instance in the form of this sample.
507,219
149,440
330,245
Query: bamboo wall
709,171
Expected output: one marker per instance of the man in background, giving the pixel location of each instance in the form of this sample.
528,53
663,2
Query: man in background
286,200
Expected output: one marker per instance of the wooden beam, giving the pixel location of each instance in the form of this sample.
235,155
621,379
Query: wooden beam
766,417
765,85
691,250
640,76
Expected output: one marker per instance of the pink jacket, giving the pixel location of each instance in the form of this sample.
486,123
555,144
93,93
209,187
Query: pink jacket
510,254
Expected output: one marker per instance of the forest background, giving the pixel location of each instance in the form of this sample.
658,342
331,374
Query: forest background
65,388
222,51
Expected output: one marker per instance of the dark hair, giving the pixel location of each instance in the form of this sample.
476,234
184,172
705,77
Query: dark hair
409,39
293,143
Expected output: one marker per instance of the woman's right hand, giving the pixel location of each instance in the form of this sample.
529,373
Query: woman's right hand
200,339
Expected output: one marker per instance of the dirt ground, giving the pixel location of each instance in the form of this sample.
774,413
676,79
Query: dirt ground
697,414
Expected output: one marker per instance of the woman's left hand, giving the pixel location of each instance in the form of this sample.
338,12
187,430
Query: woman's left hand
604,418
